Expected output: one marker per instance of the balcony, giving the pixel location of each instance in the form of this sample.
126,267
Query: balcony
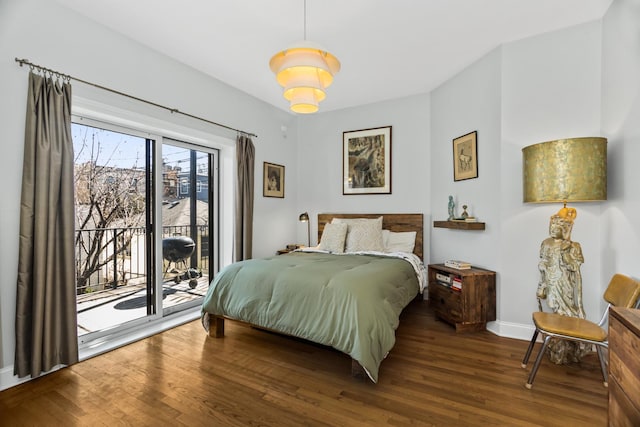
112,281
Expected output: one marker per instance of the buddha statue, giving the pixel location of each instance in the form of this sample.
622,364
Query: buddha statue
561,282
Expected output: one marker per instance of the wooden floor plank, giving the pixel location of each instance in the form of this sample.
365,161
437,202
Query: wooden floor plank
433,376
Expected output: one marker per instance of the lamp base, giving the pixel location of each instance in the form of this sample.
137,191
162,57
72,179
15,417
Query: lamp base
561,281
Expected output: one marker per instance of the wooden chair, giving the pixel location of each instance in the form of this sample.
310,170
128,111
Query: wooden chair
622,291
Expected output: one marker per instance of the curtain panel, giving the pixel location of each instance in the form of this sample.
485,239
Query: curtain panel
46,318
243,235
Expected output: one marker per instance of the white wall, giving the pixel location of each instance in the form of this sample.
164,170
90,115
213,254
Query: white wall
320,161
71,44
620,228
550,90
468,102
579,81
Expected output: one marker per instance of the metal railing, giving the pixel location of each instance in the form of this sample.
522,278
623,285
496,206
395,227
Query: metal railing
108,258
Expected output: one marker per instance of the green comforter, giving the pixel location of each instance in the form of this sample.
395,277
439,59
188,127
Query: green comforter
349,302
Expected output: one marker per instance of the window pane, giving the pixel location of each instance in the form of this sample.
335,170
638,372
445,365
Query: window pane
185,224
110,208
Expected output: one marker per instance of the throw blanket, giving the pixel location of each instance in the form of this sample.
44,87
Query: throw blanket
349,302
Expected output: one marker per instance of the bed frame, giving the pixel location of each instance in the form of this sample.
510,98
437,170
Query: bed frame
393,222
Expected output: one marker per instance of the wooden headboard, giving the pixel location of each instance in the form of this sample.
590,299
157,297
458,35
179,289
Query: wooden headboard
393,222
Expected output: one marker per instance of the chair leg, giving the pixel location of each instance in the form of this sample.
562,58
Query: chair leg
602,365
536,365
528,353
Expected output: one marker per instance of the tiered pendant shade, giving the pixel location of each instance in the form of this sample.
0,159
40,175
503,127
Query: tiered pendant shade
304,71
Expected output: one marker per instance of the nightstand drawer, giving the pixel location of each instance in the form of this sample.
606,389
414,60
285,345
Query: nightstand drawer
624,363
622,411
445,301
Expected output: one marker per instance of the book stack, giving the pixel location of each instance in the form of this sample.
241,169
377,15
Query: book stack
465,219
459,265
456,284
443,279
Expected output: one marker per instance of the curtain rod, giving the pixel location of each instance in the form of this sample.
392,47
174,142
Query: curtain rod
172,110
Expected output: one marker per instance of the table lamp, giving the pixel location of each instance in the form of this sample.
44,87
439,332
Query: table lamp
304,217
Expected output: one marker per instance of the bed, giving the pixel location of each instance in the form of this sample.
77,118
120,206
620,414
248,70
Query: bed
350,301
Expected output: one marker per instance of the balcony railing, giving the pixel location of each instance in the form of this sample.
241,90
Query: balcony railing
109,258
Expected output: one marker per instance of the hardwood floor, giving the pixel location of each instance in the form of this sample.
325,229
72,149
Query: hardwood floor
252,377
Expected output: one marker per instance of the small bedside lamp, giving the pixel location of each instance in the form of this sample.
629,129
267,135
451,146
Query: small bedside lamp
304,217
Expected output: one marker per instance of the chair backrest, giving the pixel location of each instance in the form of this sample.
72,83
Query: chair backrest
622,291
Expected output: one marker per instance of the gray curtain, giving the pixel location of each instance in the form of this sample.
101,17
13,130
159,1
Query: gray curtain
46,320
243,236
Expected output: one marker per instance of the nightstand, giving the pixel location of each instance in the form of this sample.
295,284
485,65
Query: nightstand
469,307
289,248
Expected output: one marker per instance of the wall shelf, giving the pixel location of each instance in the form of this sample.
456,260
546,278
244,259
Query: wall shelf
459,225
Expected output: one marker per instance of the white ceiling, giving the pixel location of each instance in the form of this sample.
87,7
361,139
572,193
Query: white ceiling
388,48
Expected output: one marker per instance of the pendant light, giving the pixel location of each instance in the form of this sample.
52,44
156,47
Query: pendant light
304,70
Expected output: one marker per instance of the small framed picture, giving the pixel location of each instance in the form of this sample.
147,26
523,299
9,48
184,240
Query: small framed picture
366,161
465,156
273,180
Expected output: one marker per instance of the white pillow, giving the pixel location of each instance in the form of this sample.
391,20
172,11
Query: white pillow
399,241
363,234
333,238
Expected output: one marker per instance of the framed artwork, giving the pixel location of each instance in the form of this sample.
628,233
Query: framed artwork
465,156
366,161
273,180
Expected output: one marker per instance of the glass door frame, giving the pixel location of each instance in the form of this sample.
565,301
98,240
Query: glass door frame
213,214
151,253
148,125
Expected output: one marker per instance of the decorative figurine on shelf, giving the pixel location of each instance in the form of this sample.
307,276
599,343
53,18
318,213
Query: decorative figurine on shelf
464,213
561,282
451,206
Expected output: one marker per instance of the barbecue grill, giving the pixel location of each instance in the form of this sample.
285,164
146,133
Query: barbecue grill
177,250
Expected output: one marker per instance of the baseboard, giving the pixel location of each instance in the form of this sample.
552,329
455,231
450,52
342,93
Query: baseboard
105,344
517,331
7,379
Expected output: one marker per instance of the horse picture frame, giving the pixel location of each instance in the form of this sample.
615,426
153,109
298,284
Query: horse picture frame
465,156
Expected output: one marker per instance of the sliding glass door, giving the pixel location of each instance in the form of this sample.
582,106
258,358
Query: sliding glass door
189,206
146,226
114,268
